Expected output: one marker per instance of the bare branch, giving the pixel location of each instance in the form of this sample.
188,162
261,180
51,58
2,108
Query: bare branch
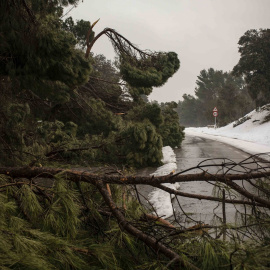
204,197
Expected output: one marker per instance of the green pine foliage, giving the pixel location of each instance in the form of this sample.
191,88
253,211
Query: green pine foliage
79,30
56,101
26,244
60,227
149,72
135,92
143,146
254,64
171,131
47,53
150,111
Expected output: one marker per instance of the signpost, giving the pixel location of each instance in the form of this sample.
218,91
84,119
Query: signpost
215,114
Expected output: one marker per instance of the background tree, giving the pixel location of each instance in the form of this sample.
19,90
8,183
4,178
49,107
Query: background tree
188,111
215,88
234,101
254,64
209,83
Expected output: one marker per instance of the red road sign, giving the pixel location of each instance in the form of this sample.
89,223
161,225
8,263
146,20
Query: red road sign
215,113
215,109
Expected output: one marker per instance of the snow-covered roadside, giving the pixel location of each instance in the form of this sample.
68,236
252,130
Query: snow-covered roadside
160,199
249,147
251,136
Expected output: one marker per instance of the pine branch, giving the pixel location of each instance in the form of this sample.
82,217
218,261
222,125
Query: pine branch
74,175
147,239
59,151
120,43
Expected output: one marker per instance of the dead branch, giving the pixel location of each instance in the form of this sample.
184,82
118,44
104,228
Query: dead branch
159,219
109,189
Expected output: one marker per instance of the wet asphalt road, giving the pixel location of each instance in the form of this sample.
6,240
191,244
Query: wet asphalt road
193,151
196,149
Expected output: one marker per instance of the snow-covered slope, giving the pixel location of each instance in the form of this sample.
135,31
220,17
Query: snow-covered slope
250,133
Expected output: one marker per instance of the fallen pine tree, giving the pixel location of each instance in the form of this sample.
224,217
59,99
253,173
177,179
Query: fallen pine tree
77,205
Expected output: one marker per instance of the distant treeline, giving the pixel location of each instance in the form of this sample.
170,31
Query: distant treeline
233,93
215,88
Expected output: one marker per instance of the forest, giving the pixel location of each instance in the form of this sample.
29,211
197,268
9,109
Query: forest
74,129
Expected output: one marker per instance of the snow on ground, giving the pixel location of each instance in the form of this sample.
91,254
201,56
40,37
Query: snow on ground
251,136
160,199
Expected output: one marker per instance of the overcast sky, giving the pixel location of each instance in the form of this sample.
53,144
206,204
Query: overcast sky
204,33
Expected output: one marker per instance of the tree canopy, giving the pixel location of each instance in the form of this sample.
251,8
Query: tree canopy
215,88
62,107
153,72
51,88
254,64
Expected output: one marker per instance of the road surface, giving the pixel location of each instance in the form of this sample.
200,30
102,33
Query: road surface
193,151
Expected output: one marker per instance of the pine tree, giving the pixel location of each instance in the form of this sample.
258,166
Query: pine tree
254,64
